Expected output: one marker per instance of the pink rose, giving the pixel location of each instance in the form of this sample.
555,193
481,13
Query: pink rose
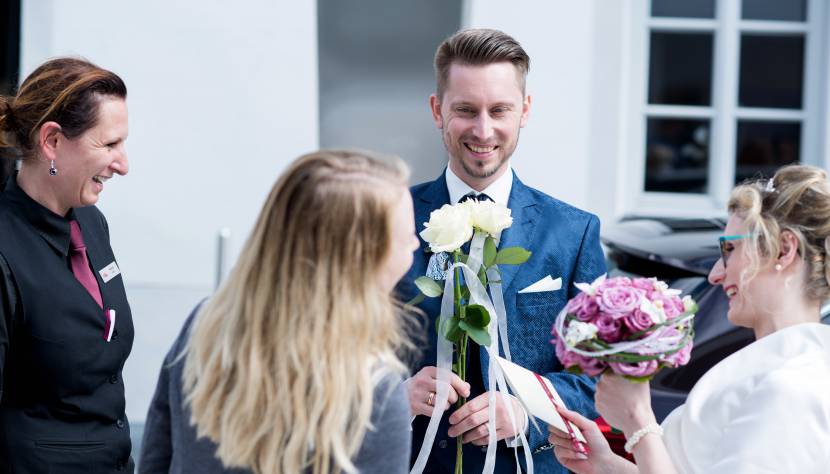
582,306
635,369
589,366
620,300
672,305
609,328
638,321
566,357
615,282
676,306
646,284
680,357
592,367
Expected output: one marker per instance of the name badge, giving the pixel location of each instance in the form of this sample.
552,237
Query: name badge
109,272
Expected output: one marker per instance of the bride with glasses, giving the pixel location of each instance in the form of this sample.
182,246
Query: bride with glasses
765,408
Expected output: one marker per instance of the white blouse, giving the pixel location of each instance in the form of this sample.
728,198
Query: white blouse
763,409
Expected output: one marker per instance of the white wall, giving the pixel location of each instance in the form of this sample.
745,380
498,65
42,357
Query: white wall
554,148
222,96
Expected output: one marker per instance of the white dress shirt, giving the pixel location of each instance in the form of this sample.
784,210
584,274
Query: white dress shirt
499,190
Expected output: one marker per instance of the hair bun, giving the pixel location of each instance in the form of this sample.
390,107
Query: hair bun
7,119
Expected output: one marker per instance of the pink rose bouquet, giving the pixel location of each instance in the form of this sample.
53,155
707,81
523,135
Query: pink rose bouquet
633,327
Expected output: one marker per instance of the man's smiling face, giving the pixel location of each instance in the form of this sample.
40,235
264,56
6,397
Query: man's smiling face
480,114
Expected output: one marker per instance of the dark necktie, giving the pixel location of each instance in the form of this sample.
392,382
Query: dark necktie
477,197
80,263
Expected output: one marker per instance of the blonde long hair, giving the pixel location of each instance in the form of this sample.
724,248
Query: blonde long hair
282,362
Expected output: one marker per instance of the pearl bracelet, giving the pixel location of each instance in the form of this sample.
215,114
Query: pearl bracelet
639,434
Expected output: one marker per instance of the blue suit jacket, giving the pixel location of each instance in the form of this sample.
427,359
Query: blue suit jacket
565,243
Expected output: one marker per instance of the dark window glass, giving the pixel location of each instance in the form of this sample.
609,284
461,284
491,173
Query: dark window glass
677,155
780,10
763,147
683,8
680,69
772,71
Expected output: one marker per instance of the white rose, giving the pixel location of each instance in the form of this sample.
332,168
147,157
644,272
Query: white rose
688,303
578,332
654,310
448,228
488,216
662,287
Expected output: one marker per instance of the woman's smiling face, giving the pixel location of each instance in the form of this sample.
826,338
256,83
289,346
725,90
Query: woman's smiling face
86,162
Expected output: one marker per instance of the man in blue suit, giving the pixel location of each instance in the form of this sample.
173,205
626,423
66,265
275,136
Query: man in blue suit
479,105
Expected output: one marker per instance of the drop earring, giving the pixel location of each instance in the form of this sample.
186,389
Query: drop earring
52,170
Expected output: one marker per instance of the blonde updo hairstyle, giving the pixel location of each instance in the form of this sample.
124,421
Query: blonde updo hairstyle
796,199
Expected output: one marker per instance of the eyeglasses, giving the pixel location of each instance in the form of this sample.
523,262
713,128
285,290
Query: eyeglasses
722,242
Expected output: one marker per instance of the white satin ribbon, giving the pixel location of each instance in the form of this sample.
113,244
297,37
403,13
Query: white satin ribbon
496,329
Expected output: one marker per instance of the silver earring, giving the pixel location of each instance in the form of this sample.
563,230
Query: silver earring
52,170
778,267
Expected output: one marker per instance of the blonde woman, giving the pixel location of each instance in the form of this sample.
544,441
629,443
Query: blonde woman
765,408
291,367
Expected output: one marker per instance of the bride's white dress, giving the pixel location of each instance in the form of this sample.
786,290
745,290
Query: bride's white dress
764,409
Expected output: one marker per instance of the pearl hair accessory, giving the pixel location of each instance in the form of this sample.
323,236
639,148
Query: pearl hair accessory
639,434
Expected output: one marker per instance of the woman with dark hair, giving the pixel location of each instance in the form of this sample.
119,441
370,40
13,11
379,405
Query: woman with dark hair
65,324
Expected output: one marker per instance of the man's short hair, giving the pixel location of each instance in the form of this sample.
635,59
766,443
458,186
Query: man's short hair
478,47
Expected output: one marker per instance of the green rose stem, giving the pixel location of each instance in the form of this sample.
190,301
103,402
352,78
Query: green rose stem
461,360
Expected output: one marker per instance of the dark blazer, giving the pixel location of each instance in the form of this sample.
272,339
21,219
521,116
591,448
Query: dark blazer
62,395
565,244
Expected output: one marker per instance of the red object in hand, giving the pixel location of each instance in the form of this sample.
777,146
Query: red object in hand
615,438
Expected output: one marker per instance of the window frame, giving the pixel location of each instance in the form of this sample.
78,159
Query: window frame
724,112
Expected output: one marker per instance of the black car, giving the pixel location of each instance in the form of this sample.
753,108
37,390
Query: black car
680,252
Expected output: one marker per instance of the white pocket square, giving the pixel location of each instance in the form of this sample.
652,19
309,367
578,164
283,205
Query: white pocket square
545,284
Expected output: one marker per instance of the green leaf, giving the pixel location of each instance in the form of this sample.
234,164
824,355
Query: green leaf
453,331
574,369
642,379
489,252
512,256
416,300
477,316
429,287
481,336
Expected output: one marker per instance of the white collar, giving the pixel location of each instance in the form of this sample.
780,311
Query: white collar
499,190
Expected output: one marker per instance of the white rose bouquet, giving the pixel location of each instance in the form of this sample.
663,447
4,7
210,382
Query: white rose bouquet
449,228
